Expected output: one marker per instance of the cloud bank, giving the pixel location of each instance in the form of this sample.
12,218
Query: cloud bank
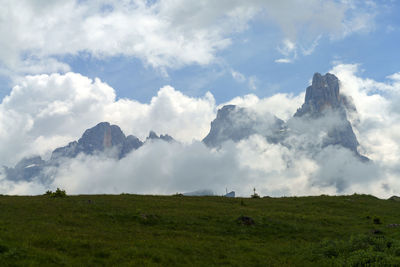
37,35
47,111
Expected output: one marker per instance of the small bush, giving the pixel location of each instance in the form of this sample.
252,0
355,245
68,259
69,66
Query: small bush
245,220
377,220
57,193
361,250
3,248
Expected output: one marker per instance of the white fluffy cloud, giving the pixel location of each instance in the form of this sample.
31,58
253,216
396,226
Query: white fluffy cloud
379,117
281,105
46,111
167,33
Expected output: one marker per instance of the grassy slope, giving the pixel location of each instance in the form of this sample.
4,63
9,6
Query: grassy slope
172,230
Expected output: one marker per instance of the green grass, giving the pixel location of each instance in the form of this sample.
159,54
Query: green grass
123,230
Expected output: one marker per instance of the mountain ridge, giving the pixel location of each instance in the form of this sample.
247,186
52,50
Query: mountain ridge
102,138
323,100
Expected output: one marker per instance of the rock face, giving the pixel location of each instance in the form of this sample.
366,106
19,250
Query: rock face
322,94
323,99
235,123
153,136
26,169
131,143
323,103
324,107
100,138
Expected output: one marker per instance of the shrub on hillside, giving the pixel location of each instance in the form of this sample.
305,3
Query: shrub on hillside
361,250
57,193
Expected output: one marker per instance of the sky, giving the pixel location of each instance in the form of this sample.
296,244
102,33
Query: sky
169,65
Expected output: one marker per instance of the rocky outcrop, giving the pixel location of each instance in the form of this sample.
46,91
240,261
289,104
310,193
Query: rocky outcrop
236,123
325,112
25,169
131,143
100,138
324,100
153,136
321,95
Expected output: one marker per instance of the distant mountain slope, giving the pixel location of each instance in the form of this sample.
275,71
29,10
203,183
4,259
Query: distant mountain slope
324,113
324,101
102,138
320,122
25,169
236,123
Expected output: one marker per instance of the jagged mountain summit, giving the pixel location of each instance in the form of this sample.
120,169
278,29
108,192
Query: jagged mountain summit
324,113
154,136
105,137
236,123
320,122
25,169
102,138
324,101
321,95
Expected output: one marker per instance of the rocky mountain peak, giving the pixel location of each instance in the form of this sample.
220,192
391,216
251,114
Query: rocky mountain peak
323,93
226,111
99,138
323,98
237,123
25,169
154,136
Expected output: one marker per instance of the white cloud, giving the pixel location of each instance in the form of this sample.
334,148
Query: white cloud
167,168
47,111
52,117
335,19
379,119
361,23
253,83
238,76
287,48
291,50
310,49
281,105
283,60
163,34
395,76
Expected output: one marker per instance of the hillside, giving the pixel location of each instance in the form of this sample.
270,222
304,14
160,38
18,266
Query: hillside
204,231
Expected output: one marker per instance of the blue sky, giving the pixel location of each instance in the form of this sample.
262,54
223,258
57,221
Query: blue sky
253,53
254,46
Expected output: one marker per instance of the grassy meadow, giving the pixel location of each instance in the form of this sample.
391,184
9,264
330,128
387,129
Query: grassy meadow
126,230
